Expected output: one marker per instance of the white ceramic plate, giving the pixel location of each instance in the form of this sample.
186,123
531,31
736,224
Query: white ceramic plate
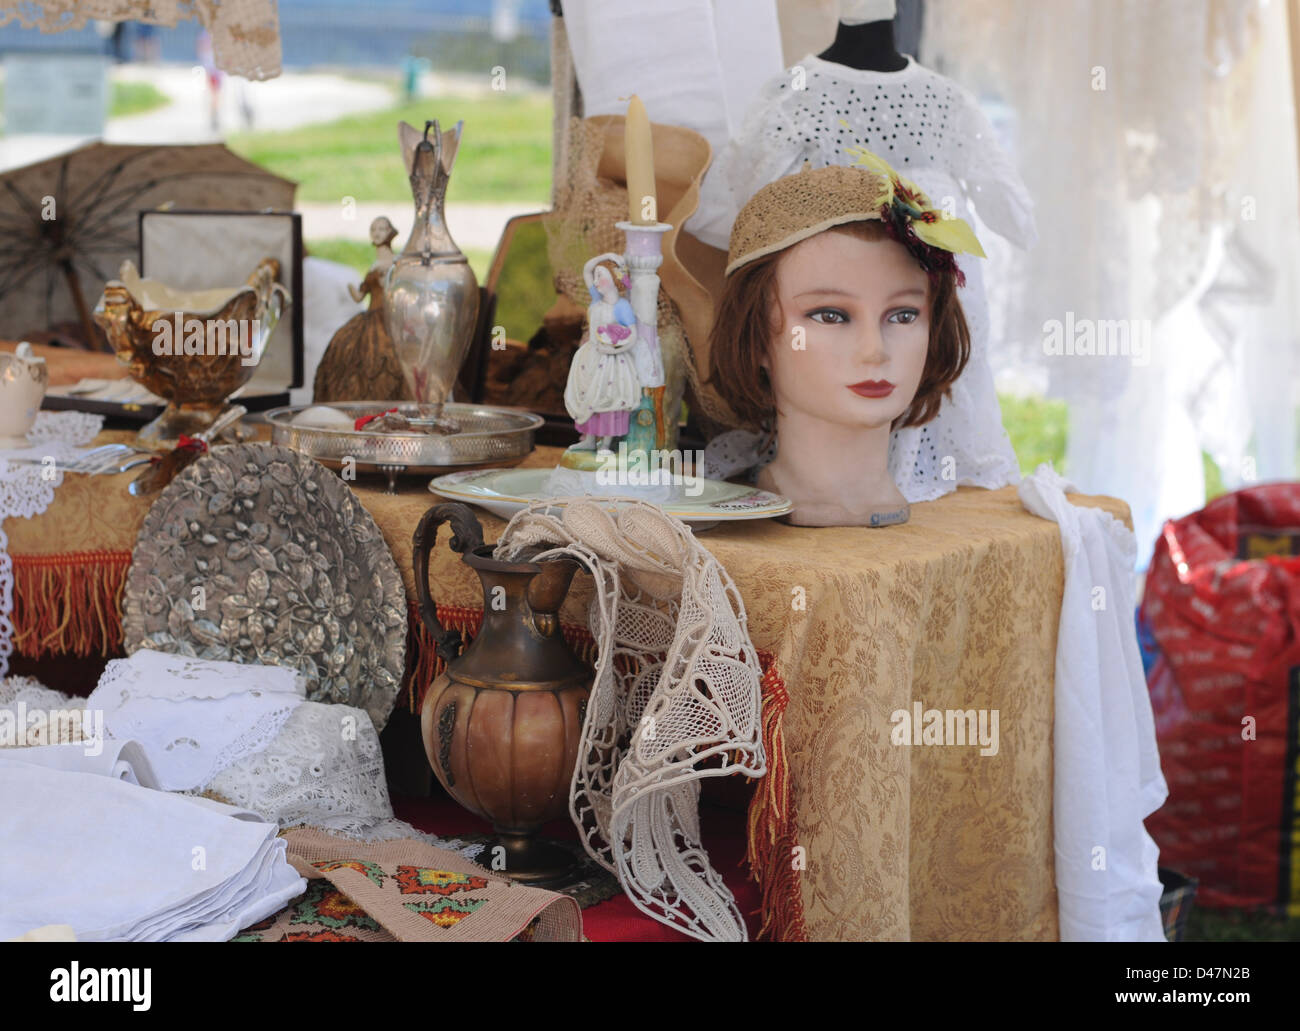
503,492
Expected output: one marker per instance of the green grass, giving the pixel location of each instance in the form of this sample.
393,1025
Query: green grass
135,98
356,253
1037,428
505,155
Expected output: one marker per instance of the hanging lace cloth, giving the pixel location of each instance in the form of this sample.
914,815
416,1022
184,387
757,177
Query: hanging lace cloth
931,130
245,33
1159,127
676,698
26,490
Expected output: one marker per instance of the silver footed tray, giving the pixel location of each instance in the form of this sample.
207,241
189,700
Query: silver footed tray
487,437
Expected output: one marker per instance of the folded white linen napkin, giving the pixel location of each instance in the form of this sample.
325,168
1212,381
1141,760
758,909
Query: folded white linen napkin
194,717
120,862
122,760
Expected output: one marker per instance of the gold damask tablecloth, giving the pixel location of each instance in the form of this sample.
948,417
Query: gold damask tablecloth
957,609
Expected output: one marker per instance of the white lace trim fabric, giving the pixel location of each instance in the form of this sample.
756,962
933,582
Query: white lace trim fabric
245,33
194,717
27,489
677,684
324,769
930,129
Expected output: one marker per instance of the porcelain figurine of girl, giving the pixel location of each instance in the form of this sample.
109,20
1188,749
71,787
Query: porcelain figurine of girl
603,387
839,321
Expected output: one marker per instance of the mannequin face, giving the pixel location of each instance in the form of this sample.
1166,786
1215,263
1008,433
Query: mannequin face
862,310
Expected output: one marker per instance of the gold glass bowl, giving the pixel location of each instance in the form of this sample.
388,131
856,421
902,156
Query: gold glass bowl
192,348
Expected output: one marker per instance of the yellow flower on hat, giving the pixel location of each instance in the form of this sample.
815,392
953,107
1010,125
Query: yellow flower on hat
932,225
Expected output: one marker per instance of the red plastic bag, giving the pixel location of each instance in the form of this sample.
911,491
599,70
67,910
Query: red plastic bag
1222,600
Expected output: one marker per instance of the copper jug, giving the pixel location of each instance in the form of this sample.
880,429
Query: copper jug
501,725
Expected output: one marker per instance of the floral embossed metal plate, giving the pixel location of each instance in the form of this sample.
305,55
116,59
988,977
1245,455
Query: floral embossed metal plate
255,553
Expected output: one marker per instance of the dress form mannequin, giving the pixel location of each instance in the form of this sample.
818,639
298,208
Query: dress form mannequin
865,37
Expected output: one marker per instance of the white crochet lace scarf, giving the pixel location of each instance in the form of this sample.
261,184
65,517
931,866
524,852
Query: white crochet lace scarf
676,698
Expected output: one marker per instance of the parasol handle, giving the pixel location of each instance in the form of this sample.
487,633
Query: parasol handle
83,313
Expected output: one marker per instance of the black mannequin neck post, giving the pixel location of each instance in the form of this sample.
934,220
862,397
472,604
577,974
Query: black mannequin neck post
869,47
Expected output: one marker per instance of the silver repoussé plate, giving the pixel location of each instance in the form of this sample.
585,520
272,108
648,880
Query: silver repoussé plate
255,553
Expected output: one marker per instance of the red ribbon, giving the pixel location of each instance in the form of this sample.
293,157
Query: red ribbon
193,443
360,423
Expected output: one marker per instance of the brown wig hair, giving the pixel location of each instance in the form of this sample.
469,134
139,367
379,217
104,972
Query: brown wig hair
748,319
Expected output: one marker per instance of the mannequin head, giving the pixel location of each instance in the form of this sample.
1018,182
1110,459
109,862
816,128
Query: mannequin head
839,322
798,329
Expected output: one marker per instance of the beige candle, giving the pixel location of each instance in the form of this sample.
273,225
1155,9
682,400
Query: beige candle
642,208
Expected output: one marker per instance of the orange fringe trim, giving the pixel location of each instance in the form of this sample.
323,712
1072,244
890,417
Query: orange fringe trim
69,603
771,822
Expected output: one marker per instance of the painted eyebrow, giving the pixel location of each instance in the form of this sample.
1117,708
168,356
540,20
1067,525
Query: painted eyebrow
830,291
825,291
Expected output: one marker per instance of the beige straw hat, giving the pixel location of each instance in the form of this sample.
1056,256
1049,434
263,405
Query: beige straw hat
813,200
798,206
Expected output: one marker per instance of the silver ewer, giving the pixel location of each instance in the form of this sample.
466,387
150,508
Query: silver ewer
431,295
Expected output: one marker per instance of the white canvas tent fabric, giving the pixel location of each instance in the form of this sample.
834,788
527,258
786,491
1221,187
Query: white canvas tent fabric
694,63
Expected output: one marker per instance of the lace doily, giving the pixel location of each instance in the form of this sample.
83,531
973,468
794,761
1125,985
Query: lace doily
194,717
26,490
677,685
324,769
932,131
245,33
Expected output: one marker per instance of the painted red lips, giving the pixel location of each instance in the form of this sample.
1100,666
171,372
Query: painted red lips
873,388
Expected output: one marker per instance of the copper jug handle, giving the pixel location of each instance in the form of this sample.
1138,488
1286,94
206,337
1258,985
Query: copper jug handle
467,535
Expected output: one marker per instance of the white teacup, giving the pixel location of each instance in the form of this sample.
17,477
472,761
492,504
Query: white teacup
23,379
